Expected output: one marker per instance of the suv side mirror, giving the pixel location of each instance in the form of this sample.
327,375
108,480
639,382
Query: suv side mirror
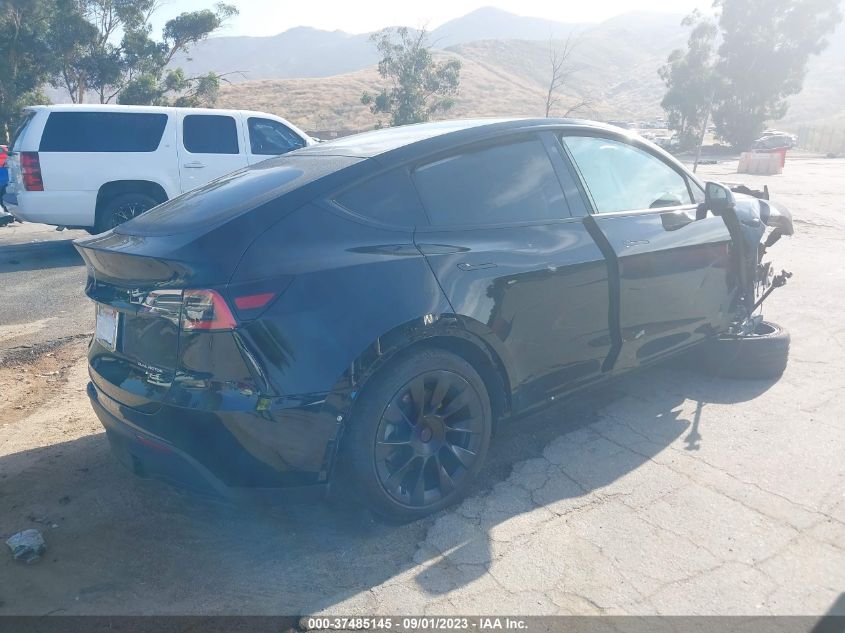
718,197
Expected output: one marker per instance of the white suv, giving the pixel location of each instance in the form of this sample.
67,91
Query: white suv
95,166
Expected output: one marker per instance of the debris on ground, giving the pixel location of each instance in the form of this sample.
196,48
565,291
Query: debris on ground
27,546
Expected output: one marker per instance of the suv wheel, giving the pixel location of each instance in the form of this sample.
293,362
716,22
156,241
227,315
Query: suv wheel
419,435
121,209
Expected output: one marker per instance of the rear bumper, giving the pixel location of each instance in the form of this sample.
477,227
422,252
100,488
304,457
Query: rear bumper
150,456
60,208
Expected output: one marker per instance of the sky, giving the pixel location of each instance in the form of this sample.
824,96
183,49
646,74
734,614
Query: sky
269,17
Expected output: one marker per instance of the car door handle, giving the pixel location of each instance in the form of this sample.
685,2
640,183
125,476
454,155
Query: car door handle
194,165
468,266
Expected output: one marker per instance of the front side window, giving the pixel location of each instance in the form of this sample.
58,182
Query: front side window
502,183
621,177
103,132
271,138
210,134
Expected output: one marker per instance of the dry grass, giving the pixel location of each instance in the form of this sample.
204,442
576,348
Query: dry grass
491,85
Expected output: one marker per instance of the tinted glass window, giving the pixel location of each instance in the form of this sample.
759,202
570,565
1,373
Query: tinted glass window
210,134
502,183
102,132
389,198
271,138
621,177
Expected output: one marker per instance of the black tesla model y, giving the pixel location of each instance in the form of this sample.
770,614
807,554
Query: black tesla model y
368,309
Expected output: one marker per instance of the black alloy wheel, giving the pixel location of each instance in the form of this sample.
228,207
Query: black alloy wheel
429,438
418,435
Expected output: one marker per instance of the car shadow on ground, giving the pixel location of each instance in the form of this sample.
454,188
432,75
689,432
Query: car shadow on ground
38,256
122,545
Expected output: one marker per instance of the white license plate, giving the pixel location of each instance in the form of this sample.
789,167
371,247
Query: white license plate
107,321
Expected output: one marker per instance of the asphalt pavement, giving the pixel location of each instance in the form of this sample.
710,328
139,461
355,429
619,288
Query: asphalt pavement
42,283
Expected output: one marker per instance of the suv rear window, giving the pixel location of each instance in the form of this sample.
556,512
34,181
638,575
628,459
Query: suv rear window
103,132
210,134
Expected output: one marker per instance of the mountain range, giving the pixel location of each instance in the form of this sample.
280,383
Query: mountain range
315,78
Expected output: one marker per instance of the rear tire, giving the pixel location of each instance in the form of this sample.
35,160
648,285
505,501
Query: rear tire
120,209
418,436
763,354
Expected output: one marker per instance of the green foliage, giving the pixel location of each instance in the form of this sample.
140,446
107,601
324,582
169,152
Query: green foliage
135,69
690,81
761,61
419,86
766,45
25,60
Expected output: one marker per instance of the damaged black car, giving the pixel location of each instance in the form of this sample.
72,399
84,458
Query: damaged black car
367,310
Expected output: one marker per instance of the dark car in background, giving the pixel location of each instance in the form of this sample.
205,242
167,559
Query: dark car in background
775,139
367,310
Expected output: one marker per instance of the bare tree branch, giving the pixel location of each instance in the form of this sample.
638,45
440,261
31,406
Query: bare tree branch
561,69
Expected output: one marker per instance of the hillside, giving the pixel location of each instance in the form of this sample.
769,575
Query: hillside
309,52
335,102
615,67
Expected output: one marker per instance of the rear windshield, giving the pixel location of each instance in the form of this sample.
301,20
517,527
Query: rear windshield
103,132
230,196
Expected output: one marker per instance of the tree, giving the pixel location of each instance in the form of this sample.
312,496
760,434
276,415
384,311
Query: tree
25,61
766,46
561,71
135,69
690,81
419,86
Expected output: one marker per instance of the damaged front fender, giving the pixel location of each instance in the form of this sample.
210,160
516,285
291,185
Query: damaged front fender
755,224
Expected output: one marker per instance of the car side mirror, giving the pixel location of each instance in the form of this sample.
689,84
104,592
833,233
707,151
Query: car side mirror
718,197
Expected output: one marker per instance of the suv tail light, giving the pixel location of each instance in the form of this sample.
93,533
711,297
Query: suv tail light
206,310
31,171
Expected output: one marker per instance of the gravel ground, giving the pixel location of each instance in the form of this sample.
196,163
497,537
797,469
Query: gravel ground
664,492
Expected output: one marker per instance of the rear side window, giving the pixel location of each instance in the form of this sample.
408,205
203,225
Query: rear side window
103,132
492,185
622,177
389,198
20,128
271,138
210,134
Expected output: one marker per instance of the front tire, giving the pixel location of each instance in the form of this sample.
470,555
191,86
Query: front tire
121,209
761,355
419,435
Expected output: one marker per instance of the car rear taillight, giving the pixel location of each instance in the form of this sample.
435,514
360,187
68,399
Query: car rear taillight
209,310
206,310
31,171
254,302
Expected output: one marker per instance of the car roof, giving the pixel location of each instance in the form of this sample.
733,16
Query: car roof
110,107
426,137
